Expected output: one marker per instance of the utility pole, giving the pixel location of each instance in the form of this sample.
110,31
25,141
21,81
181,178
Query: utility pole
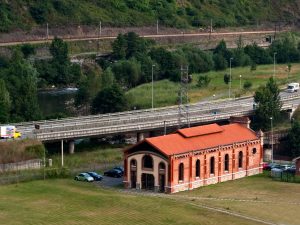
99,36
230,77
272,138
47,31
183,106
157,27
274,64
152,93
62,153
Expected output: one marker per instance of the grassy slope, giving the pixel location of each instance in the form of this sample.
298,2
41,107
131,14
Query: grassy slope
70,202
165,92
128,13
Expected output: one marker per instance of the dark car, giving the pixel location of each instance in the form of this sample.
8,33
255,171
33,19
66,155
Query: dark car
96,176
120,168
291,170
113,173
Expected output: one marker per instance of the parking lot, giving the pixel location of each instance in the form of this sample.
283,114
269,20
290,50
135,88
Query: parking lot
109,182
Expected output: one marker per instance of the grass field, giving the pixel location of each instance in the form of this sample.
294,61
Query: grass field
68,202
165,91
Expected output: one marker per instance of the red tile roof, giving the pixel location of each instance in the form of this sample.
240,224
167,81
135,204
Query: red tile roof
200,130
201,137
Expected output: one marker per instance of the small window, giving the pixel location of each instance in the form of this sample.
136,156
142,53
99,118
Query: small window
181,172
254,151
162,166
133,163
198,168
212,165
147,162
226,162
240,159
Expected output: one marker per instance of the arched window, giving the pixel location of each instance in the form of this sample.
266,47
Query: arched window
147,162
212,165
181,172
133,163
226,162
254,151
240,159
198,168
161,166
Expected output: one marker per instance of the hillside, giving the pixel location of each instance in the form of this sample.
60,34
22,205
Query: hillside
25,14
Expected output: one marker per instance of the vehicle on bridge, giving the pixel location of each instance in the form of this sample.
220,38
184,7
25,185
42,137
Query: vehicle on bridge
293,87
9,132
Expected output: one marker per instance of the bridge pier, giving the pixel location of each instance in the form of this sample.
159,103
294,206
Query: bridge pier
140,137
71,147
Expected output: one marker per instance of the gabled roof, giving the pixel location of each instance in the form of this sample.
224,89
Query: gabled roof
200,130
201,137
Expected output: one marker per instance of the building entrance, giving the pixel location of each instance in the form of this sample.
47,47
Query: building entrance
147,181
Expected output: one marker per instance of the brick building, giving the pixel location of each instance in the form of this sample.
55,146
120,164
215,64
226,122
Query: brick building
193,157
297,164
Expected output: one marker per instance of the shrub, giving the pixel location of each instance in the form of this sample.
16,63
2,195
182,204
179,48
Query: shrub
226,78
203,81
58,172
247,85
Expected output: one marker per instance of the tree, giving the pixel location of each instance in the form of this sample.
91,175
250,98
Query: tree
226,78
59,51
119,47
109,100
27,50
107,78
203,81
21,82
268,104
89,86
220,62
127,72
247,85
5,103
293,139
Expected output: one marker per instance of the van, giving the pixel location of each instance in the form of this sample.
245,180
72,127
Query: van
293,87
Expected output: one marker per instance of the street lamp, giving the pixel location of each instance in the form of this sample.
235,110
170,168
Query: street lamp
271,118
275,53
230,76
240,82
152,87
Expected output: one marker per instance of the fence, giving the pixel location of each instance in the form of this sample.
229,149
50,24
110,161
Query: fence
21,175
24,165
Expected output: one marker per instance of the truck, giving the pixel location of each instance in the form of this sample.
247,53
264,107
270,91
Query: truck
293,87
9,132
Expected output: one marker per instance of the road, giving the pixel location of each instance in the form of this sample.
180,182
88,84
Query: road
143,120
155,36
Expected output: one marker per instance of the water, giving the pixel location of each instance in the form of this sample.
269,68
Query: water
56,101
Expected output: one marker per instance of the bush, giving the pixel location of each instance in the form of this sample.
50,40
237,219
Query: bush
247,85
36,151
226,78
58,173
203,81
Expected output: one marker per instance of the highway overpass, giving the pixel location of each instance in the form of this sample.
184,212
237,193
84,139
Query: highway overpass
143,121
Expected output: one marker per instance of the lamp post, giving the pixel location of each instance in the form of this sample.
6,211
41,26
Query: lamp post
240,82
230,76
271,118
152,86
274,64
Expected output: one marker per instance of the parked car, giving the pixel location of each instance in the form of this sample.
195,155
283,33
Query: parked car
113,173
96,176
285,167
265,166
120,168
84,177
270,166
291,170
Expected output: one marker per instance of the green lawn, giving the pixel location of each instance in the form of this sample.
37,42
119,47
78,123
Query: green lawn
70,202
90,157
64,201
257,196
165,91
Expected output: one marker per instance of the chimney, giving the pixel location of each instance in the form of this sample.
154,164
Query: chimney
243,120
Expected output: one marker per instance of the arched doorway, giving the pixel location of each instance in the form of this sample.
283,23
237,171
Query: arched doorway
147,181
162,176
133,165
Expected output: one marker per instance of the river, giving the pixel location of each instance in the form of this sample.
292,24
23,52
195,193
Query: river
56,101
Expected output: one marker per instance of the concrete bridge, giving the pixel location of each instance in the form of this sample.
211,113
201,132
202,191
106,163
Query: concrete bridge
143,122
